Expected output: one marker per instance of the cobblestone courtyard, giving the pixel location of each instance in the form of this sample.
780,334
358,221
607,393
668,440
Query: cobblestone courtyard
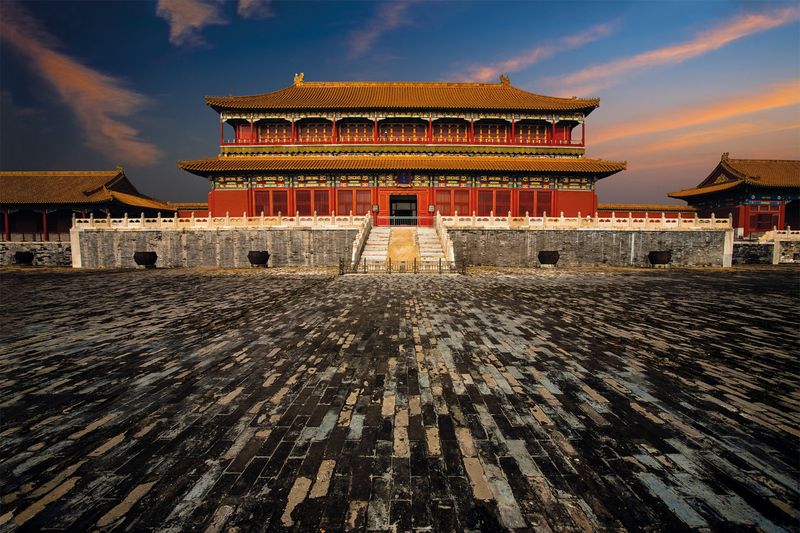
567,400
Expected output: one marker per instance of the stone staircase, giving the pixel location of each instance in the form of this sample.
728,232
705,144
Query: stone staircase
430,249
377,245
427,244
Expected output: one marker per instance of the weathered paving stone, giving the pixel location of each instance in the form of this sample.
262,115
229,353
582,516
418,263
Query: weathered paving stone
566,400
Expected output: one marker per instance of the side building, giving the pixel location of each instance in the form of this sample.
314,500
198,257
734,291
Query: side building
402,152
758,194
40,205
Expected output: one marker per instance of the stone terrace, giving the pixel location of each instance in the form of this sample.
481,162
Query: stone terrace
569,400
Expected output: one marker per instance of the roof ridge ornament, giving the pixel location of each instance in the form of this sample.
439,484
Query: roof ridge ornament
298,78
725,156
504,79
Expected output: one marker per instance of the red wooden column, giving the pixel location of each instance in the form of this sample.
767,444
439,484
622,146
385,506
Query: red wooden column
333,132
375,131
430,129
252,137
553,132
6,227
294,140
221,131
472,131
513,135
583,133
44,225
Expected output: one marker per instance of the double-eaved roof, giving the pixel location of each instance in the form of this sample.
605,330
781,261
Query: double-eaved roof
431,96
73,188
594,167
733,173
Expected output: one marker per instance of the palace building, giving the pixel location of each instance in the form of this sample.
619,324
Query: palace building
758,194
401,151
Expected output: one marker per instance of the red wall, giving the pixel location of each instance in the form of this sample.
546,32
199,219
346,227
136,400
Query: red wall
645,214
574,202
571,203
233,202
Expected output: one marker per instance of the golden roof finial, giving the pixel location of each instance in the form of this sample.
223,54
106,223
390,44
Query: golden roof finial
298,79
725,156
504,79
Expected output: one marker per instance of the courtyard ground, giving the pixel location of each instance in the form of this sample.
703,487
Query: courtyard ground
259,400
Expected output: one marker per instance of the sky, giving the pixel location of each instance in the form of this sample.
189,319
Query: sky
95,85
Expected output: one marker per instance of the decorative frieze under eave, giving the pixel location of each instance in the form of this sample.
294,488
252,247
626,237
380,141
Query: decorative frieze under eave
382,115
378,150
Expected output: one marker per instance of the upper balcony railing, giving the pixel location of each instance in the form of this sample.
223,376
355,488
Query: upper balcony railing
329,140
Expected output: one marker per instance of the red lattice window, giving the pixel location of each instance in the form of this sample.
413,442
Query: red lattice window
484,203
525,203
461,202
363,202
443,197
502,203
280,203
544,201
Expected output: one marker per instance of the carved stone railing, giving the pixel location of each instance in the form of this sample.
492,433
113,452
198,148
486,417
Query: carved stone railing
192,222
613,222
787,234
361,239
444,238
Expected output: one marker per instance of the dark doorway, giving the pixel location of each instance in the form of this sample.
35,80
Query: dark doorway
403,210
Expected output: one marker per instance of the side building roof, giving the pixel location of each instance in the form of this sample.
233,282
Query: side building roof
733,173
204,167
73,187
401,95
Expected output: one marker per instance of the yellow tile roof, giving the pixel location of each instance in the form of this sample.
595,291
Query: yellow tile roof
203,167
402,95
74,187
770,173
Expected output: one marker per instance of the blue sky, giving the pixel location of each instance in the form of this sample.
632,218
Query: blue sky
92,85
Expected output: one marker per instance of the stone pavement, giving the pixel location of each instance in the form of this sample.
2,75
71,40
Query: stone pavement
568,400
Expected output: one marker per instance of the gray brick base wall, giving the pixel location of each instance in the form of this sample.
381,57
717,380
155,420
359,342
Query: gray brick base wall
216,248
44,253
511,247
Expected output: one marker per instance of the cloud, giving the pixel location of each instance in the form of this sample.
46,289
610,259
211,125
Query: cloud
485,73
605,75
255,9
187,17
783,94
96,99
389,16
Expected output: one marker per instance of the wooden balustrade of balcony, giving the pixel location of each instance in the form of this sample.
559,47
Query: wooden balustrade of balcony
408,139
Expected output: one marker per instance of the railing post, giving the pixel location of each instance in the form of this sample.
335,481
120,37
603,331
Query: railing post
630,219
351,217
314,222
663,219
280,218
125,219
158,220
297,217
527,219
244,218
191,220
227,218
389,262
544,219
91,219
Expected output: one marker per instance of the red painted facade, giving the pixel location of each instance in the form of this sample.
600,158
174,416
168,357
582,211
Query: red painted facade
277,127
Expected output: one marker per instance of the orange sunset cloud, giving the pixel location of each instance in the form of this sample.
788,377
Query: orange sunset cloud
605,75
784,94
96,99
